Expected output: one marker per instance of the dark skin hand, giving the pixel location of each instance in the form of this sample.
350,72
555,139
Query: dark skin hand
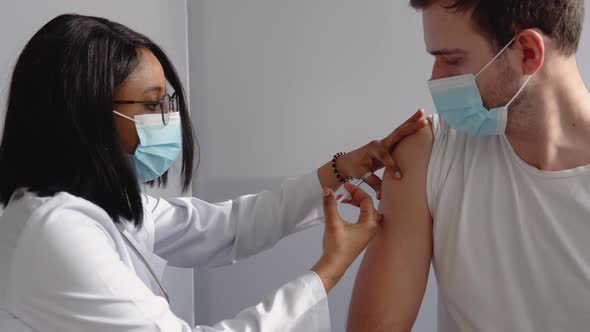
372,157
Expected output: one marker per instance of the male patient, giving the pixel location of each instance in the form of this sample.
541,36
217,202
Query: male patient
500,199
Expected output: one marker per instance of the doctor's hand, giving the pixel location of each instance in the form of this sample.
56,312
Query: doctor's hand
344,242
372,157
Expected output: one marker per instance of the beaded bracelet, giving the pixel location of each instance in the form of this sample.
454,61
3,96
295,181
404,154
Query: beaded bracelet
335,169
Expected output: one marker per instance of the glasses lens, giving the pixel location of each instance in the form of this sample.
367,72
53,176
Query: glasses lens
165,109
173,103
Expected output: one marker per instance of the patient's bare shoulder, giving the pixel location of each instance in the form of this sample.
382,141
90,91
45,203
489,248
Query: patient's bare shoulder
414,151
392,278
412,155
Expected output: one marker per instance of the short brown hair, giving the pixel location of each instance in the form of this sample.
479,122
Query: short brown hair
501,20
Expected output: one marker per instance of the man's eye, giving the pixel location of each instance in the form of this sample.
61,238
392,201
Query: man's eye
452,61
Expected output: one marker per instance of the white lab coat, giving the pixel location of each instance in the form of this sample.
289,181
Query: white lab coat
64,265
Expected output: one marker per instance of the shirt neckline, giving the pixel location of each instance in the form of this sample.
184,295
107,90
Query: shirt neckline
580,170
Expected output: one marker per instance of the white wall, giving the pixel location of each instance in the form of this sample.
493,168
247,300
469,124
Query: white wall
164,21
278,87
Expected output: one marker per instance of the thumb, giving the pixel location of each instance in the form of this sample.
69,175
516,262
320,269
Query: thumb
331,208
368,213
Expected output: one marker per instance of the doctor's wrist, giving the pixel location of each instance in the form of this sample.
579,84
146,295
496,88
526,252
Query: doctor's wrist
329,272
327,176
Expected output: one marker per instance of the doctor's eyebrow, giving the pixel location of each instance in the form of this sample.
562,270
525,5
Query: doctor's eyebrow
453,51
152,88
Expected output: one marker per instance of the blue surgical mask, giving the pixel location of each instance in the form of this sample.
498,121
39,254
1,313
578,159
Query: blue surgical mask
458,101
159,144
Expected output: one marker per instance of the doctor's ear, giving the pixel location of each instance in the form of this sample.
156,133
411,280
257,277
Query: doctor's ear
531,47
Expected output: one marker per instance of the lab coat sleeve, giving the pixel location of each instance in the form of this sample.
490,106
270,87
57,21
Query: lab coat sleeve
299,306
192,233
70,277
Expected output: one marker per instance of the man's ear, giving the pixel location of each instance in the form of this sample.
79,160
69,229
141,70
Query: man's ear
531,45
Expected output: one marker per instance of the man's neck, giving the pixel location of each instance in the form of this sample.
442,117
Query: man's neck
550,130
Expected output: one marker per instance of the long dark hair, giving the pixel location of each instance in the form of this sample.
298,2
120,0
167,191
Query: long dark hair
60,134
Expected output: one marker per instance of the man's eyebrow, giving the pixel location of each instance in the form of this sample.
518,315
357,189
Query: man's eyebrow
453,51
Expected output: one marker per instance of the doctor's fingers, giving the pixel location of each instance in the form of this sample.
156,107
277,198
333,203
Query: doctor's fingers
380,153
333,219
364,201
417,116
357,195
410,127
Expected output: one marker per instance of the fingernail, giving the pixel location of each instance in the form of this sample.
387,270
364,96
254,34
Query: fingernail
398,175
326,192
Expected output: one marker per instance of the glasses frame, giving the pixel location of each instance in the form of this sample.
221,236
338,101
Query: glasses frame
172,105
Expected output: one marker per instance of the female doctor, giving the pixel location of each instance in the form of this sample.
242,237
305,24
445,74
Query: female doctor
89,119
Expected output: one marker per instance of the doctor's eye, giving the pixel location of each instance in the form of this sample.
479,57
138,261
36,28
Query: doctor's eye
154,107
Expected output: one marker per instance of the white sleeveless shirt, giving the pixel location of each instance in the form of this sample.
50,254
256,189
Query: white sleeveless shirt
511,242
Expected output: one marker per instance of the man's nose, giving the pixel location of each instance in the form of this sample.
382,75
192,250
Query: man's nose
437,73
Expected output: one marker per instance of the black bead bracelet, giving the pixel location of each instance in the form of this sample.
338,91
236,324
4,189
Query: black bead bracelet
335,169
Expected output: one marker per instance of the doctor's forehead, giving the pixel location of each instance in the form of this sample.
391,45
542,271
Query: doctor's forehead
448,31
148,75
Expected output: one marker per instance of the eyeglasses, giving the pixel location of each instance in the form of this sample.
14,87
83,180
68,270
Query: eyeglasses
168,104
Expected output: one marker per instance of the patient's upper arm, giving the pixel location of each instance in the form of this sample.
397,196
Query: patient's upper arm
392,278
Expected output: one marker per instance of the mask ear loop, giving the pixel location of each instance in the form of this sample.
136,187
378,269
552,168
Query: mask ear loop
519,91
496,57
125,116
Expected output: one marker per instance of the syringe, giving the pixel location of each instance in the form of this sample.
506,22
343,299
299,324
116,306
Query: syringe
342,194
